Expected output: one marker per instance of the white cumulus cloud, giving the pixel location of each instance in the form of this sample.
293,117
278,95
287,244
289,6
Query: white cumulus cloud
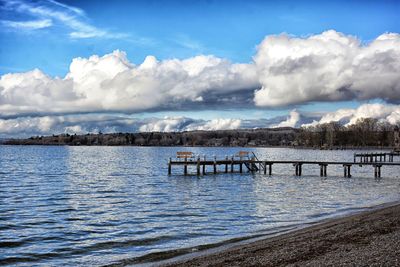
291,121
381,112
216,124
112,83
329,66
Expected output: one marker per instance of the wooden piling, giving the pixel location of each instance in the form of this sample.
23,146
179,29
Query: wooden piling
232,167
169,166
270,169
346,168
215,165
226,164
204,166
198,166
185,167
377,170
322,171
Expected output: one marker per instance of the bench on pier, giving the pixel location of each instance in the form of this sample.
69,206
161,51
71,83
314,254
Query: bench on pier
184,155
242,154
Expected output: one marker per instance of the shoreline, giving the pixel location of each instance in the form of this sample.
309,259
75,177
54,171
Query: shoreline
370,236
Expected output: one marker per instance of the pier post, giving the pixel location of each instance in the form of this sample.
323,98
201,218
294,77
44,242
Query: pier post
377,170
321,170
265,167
232,165
215,164
270,168
169,166
226,164
298,168
325,167
346,168
240,167
204,165
185,167
198,165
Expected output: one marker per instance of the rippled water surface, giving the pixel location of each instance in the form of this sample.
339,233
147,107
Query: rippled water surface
102,205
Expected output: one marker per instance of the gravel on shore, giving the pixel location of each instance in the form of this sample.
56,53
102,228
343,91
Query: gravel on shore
371,238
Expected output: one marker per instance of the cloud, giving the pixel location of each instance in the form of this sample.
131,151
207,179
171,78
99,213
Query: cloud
291,121
382,112
167,124
172,124
79,124
216,124
329,66
75,10
27,25
94,123
51,12
112,83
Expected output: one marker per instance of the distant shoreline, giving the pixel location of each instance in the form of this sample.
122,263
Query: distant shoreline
264,137
239,147
366,238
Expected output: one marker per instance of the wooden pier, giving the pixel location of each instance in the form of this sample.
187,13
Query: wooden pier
244,160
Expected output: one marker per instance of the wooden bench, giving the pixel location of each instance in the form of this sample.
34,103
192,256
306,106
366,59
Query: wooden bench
184,155
242,154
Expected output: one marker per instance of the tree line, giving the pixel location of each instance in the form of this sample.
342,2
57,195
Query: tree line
366,132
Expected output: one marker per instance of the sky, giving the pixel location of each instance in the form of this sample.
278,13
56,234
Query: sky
112,66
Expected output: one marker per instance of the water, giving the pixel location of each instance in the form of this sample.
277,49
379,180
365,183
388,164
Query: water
77,206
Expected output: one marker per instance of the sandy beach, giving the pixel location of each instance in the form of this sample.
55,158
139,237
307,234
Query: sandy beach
370,238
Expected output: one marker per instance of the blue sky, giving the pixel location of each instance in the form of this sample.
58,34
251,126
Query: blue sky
47,35
169,29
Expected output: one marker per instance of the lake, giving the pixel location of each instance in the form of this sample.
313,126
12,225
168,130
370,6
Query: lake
76,206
